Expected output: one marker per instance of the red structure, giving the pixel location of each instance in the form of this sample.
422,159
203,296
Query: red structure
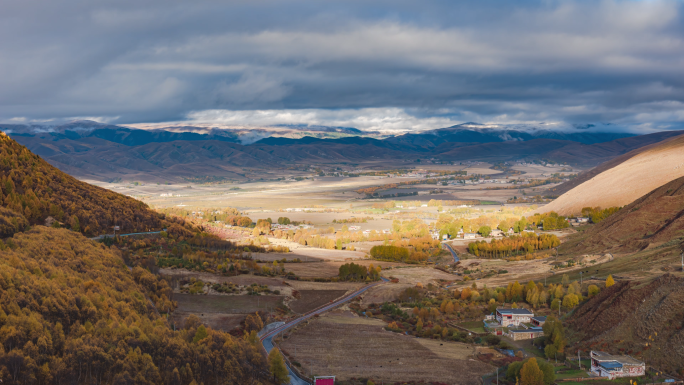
326,380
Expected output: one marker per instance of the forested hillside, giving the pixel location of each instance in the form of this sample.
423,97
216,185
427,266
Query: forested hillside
34,189
71,312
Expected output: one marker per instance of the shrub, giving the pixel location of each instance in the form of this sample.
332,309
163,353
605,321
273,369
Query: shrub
593,290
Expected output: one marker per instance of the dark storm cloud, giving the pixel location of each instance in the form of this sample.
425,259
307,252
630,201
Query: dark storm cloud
373,64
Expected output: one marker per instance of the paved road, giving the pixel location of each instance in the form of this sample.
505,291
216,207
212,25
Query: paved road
267,339
448,247
124,235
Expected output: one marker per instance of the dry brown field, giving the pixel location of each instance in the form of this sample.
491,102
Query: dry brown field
242,280
229,304
348,347
306,285
222,312
218,321
383,293
330,269
415,275
308,254
312,299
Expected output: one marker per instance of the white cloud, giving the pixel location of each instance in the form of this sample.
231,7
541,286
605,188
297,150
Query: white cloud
368,119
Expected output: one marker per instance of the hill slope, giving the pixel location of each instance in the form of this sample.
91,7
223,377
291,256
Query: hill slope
629,180
33,188
621,319
72,313
651,220
620,146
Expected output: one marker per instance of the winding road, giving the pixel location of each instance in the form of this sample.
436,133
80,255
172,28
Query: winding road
448,247
267,339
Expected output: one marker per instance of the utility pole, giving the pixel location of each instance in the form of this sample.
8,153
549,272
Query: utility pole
579,362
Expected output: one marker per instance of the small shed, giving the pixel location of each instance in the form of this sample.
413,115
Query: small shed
538,321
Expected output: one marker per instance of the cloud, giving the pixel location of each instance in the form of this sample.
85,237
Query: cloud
372,65
368,119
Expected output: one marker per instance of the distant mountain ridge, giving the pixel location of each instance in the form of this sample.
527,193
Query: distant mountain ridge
106,152
132,136
478,133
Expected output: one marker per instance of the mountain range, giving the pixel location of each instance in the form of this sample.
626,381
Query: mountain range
104,152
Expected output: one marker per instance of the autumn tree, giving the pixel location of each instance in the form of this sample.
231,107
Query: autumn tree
610,281
277,367
484,231
554,337
530,374
570,301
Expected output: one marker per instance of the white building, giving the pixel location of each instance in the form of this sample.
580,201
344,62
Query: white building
497,233
606,365
508,317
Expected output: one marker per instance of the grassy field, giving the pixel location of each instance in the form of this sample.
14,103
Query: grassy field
475,326
576,373
352,347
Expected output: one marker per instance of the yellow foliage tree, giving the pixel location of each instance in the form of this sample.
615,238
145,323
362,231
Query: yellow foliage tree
276,365
530,374
610,281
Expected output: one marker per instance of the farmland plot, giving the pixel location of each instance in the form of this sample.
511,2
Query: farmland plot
312,299
221,312
346,346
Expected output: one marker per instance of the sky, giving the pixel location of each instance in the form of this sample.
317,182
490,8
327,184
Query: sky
393,64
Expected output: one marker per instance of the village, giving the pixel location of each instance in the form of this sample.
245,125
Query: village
305,244
522,324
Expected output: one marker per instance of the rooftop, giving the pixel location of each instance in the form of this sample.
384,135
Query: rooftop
624,360
532,330
610,365
539,318
515,311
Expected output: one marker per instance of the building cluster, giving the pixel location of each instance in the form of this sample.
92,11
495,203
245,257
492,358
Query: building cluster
276,226
517,324
579,221
522,324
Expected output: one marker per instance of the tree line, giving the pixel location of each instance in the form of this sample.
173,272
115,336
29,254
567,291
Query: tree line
354,272
389,253
507,247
